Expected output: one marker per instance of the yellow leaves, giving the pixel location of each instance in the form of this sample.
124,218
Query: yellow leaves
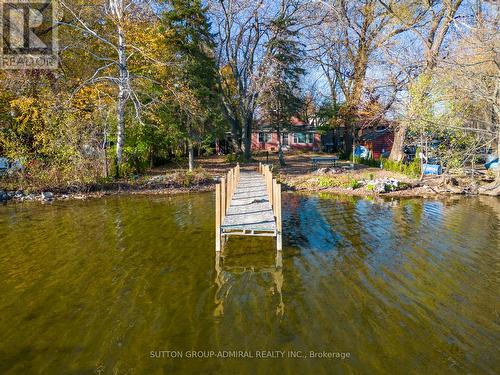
148,47
89,99
228,82
404,11
227,76
26,112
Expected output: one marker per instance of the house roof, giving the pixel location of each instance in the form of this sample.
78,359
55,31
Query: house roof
372,135
296,124
295,121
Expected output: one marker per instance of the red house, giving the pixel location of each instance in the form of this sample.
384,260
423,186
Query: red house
297,136
377,139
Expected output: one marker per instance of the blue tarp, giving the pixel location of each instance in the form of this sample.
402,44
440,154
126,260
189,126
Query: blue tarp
492,163
432,169
361,152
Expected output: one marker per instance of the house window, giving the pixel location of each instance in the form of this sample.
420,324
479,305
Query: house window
310,138
299,138
284,140
303,138
264,137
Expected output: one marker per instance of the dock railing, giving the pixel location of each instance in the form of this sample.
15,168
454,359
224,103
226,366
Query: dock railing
224,192
274,194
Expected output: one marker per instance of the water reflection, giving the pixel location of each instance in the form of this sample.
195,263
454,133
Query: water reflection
224,275
405,286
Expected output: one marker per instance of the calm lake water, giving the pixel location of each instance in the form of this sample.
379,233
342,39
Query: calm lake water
404,286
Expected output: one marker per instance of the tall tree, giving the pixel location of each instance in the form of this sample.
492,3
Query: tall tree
240,27
430,22
106,22
282,70
190,40
344,46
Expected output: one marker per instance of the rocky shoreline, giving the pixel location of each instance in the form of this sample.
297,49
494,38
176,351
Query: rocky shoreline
337,180
59,194
368,189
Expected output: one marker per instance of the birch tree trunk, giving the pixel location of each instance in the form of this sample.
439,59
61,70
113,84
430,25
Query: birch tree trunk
191,154
117,7
190,146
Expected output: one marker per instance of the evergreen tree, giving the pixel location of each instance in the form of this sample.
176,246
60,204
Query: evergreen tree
189,38
281,97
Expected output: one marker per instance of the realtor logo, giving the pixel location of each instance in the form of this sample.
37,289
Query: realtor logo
28,34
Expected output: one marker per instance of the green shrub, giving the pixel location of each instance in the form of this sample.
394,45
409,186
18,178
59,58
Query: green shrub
187,181
231,158
411,170
351,183
325,181
189,178
369,162
354,184
234,158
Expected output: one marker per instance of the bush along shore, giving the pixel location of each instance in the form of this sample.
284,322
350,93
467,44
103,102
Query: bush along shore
369,181
296,175
199,180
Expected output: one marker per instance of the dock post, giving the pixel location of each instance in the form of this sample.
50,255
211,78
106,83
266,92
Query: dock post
279,224
229,188
270,185
223,198
266,178
233,184
274,198
217,217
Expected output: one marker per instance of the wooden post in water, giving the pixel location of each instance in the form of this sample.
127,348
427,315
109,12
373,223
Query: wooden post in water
233,185
279,224
266,180
224,193
229,186
274,197
217,217
270,184
223,198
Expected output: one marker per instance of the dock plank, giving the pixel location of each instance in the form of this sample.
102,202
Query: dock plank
250,208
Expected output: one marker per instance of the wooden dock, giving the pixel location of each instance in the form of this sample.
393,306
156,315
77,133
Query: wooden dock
248,203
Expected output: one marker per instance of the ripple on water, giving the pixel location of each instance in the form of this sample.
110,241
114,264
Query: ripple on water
403,285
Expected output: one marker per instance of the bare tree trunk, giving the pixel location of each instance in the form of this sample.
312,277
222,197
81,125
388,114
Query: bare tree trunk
191,154
438,31
105,154
398,143
348,141
247,139
281,157
120,133
236,136
122,91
